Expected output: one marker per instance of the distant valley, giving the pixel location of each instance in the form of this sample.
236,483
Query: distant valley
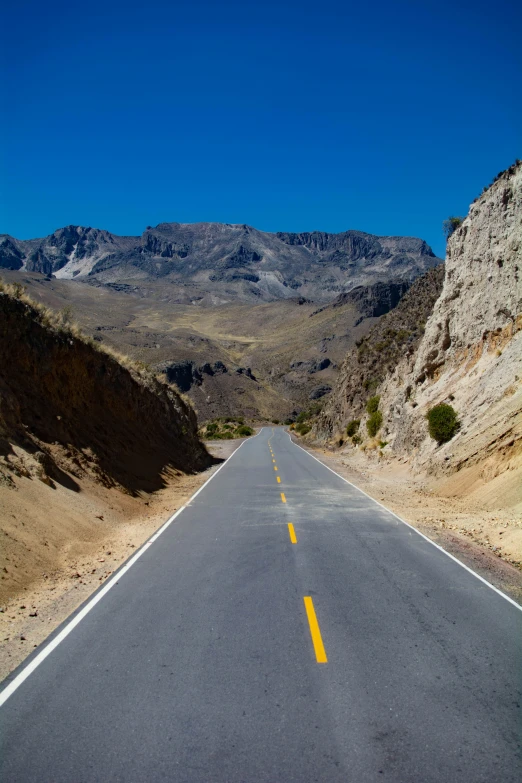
241,320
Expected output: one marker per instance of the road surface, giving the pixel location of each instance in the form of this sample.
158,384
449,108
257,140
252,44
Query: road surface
284,627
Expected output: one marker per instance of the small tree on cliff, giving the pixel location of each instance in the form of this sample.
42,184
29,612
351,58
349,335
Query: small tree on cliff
450,225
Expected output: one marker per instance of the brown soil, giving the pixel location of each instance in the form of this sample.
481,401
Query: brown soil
59,546
482,528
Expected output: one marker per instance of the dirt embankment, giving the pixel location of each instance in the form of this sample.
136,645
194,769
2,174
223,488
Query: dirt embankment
57,389
94,456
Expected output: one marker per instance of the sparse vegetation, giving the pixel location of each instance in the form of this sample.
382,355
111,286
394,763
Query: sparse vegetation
451,224
226,428
372,404
244,431
443,422
66,315
352,427
509,171
302,428
374,423
397,334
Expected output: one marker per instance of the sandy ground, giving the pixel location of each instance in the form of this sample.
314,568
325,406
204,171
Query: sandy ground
488,541
59,546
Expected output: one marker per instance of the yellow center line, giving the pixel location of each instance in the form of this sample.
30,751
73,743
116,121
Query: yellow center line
278,479
320,653
275,468
273,460
283,497
291,531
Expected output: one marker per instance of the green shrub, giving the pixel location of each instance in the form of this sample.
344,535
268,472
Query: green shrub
356,439
288,422
244,432
373,425
212,427
452,223
302,428
383,443
443,423
352,427
275,421
372,406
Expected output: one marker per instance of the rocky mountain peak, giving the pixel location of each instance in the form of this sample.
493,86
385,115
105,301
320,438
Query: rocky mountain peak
216,263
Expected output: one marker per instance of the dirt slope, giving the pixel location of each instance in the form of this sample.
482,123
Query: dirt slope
75,422
60,390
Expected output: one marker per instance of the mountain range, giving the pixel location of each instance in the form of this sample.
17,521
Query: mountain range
216,263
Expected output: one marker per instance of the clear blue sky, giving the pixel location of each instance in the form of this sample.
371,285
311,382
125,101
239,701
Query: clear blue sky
384,117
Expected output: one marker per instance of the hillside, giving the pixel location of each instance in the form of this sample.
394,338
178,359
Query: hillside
376,354
94,451
275,354
468,356
216,263
80,410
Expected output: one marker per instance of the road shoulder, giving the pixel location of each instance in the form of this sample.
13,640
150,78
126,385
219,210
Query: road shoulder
470,534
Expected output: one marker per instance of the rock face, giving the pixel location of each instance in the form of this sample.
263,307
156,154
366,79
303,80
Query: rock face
374,300
187,374
69,252
11,257
376,355
213,263
470,355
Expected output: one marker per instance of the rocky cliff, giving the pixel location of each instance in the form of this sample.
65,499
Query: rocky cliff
470,355
214,263
68,407
376,355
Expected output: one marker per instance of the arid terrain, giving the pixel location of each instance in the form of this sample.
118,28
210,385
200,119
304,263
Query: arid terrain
291,347
58,547
99,448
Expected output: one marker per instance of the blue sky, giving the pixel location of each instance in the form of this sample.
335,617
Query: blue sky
383,117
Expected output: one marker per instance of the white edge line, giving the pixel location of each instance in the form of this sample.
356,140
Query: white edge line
426,538
53,644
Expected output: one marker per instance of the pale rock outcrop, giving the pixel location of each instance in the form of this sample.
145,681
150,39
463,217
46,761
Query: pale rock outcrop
471,353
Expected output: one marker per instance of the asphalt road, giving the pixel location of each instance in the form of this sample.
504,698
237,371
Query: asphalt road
203,663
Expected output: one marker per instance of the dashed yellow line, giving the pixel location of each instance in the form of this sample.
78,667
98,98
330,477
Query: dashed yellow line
283,497
291,532
320,652
278,479
275,468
